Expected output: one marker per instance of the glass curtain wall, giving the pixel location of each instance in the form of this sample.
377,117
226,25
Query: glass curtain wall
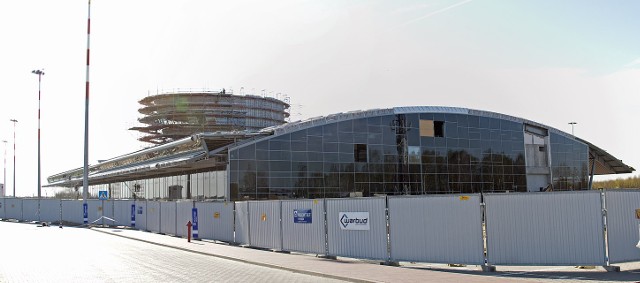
569,163
387,155
206,185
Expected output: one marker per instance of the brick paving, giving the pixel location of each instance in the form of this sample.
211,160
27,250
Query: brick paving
368,271
32,254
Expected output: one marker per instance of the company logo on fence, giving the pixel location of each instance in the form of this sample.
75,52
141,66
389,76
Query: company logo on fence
354,220
302,216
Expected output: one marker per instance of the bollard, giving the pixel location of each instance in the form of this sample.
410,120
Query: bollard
189,231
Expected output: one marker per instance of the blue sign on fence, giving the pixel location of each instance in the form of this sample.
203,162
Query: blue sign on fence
85,213
139,209
103,195
194,221
133,215
302,216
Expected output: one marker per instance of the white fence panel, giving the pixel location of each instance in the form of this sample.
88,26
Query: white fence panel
122,212
216,220
623,230
265,224
439,229
205,220
168,217
357,228
153,216
303,228
141,214
183,216
2,208
72,211
559,228
50,210
108,211
13,208
242,224
98,209
29,209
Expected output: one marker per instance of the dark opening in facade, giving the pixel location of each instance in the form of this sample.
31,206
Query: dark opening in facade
438,129
360,152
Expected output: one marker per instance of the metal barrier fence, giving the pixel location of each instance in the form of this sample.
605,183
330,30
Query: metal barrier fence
241,224
153,216
559,228
357,228
562,228
141,215
444,229
264,224
622,225
216,220
303,226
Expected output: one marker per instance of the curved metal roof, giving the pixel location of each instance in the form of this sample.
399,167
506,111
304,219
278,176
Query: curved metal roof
333,118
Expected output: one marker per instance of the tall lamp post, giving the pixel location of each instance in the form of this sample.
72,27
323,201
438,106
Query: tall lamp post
4,179
85,171
572,124
14,156
40,73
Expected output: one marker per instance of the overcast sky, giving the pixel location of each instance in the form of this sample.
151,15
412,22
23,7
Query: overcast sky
552,62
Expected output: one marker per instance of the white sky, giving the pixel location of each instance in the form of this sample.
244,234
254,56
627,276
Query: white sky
541,60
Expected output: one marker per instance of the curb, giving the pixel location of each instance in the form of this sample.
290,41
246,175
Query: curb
312,273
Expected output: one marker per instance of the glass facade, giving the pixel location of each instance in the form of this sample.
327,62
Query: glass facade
421,153
200,186
569,164
416,153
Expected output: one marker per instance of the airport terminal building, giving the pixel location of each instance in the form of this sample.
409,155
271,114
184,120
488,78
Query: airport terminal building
396,151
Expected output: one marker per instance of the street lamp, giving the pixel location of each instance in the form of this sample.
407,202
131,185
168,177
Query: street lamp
40,73
14,156
4,179
572,124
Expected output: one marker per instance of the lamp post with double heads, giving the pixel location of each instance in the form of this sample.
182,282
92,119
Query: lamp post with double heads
14,156
572,125
40,73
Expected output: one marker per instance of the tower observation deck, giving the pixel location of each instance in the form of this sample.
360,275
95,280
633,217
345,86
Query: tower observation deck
170,116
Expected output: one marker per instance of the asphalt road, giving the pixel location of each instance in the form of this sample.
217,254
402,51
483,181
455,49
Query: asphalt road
49,254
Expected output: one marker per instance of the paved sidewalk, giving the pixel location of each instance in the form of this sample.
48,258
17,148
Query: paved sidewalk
363,271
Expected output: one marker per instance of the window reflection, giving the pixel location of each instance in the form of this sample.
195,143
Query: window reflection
425,153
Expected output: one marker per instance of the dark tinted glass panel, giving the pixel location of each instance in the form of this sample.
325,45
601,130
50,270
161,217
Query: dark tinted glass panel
360,125
300,135
248,152
330,132
299,146
345,126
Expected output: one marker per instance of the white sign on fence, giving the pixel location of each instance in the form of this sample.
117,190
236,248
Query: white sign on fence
354,220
